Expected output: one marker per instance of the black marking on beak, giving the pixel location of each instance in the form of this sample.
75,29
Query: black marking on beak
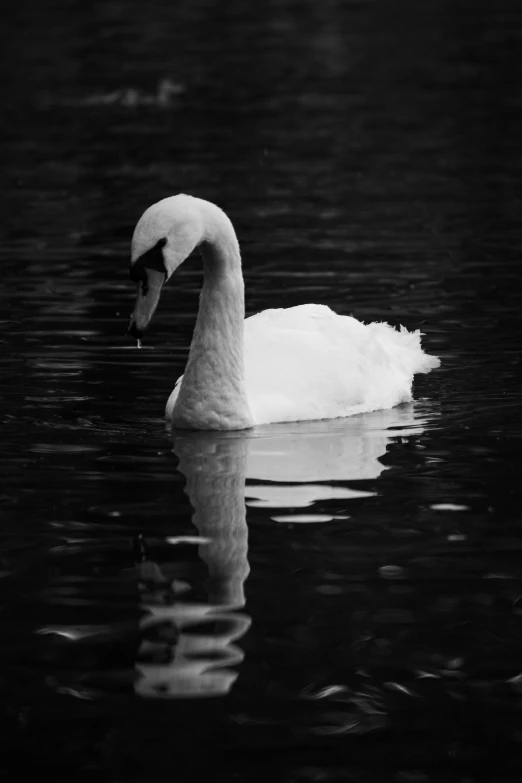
152,259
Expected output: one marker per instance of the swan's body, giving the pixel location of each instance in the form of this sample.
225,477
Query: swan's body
294,364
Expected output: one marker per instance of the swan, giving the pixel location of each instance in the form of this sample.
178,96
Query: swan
295,364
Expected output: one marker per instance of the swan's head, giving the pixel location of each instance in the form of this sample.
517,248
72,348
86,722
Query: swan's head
166,234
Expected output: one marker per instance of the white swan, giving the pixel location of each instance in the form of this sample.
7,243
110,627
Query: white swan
294,364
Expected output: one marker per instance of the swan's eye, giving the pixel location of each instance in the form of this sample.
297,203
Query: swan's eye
144,285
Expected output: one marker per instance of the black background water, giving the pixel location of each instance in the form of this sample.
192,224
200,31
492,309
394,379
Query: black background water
369,156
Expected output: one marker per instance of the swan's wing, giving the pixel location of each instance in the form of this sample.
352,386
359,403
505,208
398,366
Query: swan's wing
307,362
304,363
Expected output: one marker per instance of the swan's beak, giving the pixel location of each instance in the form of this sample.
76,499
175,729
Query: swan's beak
149,290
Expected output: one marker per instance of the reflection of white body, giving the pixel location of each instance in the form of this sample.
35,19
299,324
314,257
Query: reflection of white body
297,364
298,456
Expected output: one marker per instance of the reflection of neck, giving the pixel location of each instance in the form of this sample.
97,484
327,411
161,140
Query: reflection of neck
212,394
199,662
215,473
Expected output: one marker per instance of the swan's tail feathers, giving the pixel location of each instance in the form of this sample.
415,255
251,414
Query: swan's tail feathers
406,348
428,363
423,361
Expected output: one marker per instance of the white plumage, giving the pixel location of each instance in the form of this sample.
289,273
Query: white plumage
294,364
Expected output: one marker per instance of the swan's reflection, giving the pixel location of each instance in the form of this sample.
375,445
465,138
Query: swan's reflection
296,457
198,662
300,460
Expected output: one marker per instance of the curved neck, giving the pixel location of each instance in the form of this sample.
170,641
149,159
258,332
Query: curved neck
212,393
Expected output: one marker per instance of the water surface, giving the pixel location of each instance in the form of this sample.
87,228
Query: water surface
333,601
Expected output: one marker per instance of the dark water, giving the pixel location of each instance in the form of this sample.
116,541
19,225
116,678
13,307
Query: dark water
367,624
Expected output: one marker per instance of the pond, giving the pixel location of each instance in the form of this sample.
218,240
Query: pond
338,600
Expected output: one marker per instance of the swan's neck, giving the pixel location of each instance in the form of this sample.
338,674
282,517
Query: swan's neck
212,393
